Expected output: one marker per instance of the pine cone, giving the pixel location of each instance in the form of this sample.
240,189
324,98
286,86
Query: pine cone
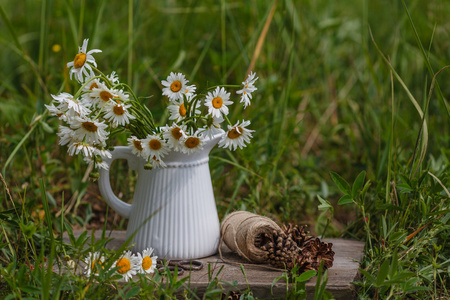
297,233
282,250
313,253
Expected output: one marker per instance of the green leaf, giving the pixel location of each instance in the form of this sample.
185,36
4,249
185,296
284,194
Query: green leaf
340,182
369,276
306,275
358,184
382,273
46,127
133,292
30,290
345,199
404,188
324,204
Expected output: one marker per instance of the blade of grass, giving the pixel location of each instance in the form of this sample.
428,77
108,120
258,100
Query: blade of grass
72,23
236,164
26,136
81,20
423,132
223,38
98,20
261,38
42,37
200,58
391,141
10,28
426,58
130,42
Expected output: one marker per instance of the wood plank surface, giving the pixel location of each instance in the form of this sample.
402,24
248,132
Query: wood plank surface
348,253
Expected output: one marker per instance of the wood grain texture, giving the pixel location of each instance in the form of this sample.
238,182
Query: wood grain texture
348,253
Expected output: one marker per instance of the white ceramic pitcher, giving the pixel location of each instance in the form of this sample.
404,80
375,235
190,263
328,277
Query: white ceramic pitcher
173,209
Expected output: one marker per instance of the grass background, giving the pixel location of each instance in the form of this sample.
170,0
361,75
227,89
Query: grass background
327,101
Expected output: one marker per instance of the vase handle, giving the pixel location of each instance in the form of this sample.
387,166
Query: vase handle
121,207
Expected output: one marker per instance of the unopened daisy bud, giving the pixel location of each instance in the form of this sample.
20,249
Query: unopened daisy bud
148,166
71,264
94,176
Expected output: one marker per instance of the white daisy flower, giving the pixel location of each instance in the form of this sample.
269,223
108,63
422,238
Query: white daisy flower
89,131
117,113
212,127
248,89
81,63
175,86
55,111
88,98
66,135
77,147
158,163
136,146
236,136
98,164
121,95
128,265
93,261
113,78
175,135
102,153
102,95
217,102
148,262
192,143
178,110
189,91
154,147
87,150
70,106
97,158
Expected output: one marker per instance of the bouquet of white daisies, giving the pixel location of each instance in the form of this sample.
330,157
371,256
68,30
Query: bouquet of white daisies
104,106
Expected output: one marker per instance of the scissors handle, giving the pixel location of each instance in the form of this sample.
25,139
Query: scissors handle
190,264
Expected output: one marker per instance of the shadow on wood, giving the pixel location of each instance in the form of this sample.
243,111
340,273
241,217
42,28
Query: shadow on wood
348,253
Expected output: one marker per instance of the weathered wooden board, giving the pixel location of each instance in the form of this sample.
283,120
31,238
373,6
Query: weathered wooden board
340,276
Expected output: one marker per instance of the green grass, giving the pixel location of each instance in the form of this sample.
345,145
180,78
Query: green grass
345,87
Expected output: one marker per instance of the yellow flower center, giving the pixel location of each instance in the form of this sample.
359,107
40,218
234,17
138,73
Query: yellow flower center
147,263
155,144
118,110
124,265
176,133
175,86
217,102
79,60
93,86
56,48
192,142
137,144
182,110
105,96
235,133
89,126
95,264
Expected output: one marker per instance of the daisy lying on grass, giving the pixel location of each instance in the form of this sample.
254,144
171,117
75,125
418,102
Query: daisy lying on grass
103,106
128,264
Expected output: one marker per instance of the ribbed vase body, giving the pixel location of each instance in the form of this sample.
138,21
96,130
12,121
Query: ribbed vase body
174,211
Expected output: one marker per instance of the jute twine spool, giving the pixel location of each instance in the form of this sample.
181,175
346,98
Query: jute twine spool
241,229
